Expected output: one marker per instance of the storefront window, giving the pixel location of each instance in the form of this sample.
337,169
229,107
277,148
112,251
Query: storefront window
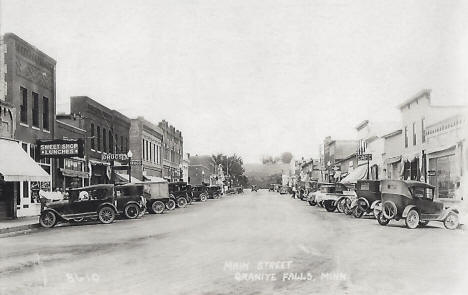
445,176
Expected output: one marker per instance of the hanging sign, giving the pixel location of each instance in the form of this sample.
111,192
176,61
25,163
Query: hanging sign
364,157
60,148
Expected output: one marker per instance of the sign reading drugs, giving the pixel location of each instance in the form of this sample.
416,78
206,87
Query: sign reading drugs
60,148
118,157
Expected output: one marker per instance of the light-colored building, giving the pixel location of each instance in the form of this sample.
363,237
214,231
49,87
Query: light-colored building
392,154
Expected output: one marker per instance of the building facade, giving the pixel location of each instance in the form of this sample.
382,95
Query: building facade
172,151
146,141
31,93
201,169
107,133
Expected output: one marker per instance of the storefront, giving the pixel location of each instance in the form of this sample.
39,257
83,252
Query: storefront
443,172
21,179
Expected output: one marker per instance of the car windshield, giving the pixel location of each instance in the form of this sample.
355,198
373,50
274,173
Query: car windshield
327,189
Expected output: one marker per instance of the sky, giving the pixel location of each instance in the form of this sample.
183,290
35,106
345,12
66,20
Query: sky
257,77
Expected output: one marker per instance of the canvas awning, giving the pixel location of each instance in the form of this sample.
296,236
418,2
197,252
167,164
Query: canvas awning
153,179
74,173
355,175
392,160
17,165
124,178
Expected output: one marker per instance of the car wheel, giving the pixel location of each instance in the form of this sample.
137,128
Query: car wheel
203,197
157,207
171,204
340,205
106,215
312,203
423,223
357,212
451,221
389,209
48,219
329,206
412,219
131,211
347,207
189,200
382,219
181,202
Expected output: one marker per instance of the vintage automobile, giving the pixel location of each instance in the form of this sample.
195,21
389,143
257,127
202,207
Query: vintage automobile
214,191
315,187
329,195
414,202
368,196
271,188
85,203
130,199
199,193
181,192
254,188
157,197
284,190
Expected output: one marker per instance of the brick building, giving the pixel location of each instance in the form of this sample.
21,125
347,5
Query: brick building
30,92
172,151
201,169
107,133
146,141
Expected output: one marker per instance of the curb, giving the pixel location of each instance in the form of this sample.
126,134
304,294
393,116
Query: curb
19,228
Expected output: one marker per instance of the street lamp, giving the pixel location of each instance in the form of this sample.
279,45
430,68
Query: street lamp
129,155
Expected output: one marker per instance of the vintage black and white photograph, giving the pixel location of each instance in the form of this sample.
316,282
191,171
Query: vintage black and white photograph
224,147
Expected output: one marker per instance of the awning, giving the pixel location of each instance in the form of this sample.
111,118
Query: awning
153,179
392,160
124,178
355,175
74,173
17,165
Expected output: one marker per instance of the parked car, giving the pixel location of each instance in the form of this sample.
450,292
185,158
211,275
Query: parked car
130,199
85,203
254,188
368,196
330,195
284,190
214,191
271,188
315,187
200,193
157,197
414,202
181,192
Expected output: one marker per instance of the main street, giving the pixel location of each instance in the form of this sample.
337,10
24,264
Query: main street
252,243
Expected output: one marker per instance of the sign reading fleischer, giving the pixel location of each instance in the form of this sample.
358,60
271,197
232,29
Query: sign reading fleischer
60,148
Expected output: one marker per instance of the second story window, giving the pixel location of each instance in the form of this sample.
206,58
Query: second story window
104,141
423,136
98,132
35,110
111,142
93,142
24,105
406,136
45,113
414,133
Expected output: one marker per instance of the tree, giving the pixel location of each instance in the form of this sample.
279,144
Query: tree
232,167
286,157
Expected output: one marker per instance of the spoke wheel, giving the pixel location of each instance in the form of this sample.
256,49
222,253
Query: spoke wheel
48,219
340,205
381,219
389,209
181,202
203,197
358,212
451,221
329,206
171,204
412,219
106,215
158,207
347,207
131,211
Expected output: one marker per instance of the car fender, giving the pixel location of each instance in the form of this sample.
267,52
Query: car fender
341,198
447,211
59,216
363,199
375,204
107,204
407,209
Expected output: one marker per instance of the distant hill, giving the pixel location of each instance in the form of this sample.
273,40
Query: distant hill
264,174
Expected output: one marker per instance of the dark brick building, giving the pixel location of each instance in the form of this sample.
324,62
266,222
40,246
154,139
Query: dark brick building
172,151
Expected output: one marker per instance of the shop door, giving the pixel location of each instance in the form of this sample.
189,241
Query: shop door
6,200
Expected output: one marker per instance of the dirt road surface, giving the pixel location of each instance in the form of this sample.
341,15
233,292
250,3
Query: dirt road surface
252,243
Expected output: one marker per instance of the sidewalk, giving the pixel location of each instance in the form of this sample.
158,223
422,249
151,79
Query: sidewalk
19,224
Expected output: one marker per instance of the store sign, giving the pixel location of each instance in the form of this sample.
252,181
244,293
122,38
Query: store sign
364,157
61,148
118,157
431,173
136,162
